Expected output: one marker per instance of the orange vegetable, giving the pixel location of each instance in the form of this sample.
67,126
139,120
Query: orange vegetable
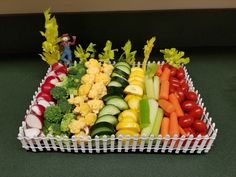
165,126
165,75
182,132
164,90
174,100
159,70
174,126
166,106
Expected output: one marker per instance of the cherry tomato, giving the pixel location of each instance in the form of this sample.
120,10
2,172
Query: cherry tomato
174,80
188,105
186,121
185,87
189,131
196,112
180,94
182,81
172,89
173,71
175,85
199,126
191,96
166,65
180,74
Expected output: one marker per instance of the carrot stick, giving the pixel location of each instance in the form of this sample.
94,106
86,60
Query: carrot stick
174,100
182,132
165,75
174,126
165,127
166,106
164,90
159,70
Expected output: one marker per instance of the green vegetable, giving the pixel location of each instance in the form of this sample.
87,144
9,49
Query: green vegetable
174,57
128,56
156,83
151,70
153,105
83,55
108,54
53,114
157,122
64,105
67,118
54,129
149,86
147,50
144,113
77,70
58,93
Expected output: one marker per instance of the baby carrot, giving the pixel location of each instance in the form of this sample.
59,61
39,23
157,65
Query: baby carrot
174,126
165,127
181,130
164,90
166,106
159,70
174,100
165,75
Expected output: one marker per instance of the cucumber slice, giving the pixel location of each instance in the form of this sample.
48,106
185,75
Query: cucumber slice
117,75
108,97
123,64
121,80
121,73
115,84
109,110
119,103
108,118
114,90
102,128
124,68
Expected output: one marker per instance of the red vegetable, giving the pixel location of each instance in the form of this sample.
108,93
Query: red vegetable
172,89
34,121
166,65
60,70
173,71
175,85
180,95
200,126
38,110
46,87
186,121
173,79
191,96
185,87
196,112
180,74
182,81
44,96
188,105
56,66
189,131
52,80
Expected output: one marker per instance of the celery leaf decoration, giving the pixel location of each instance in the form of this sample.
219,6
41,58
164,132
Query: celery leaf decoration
82,54
174,57
108,54
127,55
147,50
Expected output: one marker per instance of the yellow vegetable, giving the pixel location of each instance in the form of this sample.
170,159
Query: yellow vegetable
129,113
134,103
136,74
134,89
139,79
128,125
137,69
127,119
84,89
125,132
135,82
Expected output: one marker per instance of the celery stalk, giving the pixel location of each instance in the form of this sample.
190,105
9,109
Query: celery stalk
156,83
149,87
157,123
144,113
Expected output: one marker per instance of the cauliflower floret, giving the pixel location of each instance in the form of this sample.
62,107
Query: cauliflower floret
96,105
77,100
102,77
90,119
84,89
76,125
82,109
83,134
97,91
107,68
92,63
88,78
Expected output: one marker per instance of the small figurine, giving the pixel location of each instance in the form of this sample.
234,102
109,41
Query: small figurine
67,41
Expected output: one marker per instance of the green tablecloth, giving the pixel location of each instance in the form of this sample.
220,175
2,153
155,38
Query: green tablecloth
214,75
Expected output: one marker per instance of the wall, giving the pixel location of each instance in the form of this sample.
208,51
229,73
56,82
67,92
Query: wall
37,6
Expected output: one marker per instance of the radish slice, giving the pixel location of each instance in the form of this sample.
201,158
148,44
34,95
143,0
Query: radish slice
56,66
38,110
52,80
34,121
44,103
46,87
32,132
52,73
44,96
60,70
61,76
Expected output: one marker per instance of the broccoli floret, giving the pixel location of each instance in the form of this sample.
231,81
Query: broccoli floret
53,114
58,93
54,129
64,106
66,120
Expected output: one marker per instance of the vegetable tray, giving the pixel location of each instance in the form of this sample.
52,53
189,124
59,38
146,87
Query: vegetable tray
159,144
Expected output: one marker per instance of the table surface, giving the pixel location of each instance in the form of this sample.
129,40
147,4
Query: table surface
214,75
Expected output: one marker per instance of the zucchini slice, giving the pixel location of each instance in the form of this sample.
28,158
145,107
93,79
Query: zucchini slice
108,118
121,73
122,63
108,97
102,128
121,80
109,110
114,90
124,68
119,103
115,84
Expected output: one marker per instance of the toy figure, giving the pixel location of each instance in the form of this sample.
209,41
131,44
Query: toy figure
67,41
